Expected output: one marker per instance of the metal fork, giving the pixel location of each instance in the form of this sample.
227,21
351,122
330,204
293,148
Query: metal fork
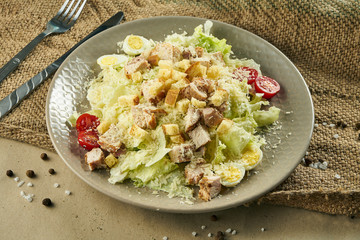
62,22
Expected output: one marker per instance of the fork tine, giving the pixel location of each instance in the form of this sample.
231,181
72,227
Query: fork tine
61,9
77,14
62,17
72,12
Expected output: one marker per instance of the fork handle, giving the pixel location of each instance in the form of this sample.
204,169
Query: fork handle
15,61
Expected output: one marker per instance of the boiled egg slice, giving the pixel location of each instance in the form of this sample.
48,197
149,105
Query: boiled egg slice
111,60
230,173
251,157
134,45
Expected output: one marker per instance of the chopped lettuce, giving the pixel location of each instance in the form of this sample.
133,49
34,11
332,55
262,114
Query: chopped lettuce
264,118
210,42
235,139
219,155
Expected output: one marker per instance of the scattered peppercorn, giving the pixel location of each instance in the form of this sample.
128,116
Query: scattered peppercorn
30,173
9,173
213,218
352,216
51,171
307,161
357,126
219,235
338,123
44,156
47,202
343,125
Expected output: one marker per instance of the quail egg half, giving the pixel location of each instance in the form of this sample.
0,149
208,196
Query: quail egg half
251,157
111,60
135,45
230,173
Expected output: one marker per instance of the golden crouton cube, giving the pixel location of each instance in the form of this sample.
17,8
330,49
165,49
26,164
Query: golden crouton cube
168,83
137,132
220,96
111,160
224,126
171,97
180,84
183,105
165,64
128,100
164,74
183,65
171,129
136,77
196,70
156,87
103,126
177,76
178,139
197,103
213,72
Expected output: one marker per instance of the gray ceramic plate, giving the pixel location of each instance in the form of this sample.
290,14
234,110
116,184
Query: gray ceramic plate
68,90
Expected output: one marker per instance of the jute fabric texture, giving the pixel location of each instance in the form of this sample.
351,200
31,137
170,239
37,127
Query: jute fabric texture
322,38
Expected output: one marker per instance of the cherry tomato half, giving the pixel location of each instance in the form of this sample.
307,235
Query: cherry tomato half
268,86
86,122
245,72
88,139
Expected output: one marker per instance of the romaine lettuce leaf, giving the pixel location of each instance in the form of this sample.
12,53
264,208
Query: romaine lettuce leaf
264,118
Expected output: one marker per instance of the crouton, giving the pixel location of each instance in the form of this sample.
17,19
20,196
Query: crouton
183,105
198,104
219,97
195,70
224,126
128,100
137,132
178,139
171,129
171,97
111,160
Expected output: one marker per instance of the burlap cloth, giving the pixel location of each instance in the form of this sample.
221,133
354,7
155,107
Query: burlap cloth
320,37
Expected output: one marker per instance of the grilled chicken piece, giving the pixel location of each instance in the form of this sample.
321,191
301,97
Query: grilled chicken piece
211,116
95,159
195,170
192,118
145,116
153,91
200,136
110,140
164,51
210,187
182,153
136,64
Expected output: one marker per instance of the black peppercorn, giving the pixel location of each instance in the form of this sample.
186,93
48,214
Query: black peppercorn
219,235
51,171
30,173
9,173
44,156
47,202
213,218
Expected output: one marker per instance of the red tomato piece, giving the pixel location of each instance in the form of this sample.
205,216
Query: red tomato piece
268,86
88,139
245,72
86,122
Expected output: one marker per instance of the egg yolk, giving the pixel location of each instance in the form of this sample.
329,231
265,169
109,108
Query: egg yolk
250,157
109,61
233,174
135,42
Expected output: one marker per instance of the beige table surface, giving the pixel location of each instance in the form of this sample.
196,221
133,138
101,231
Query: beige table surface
89,214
